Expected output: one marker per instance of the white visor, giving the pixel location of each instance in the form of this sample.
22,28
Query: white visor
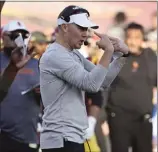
79,19
13,26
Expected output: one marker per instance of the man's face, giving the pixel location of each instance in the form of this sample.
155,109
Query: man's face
134,39
9,39
76,35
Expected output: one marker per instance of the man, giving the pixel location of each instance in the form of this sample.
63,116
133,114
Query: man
93,101
64,76
130,98
117,28
40,42
19,111
16,63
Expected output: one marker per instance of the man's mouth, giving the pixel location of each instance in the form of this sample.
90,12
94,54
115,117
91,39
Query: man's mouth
81,42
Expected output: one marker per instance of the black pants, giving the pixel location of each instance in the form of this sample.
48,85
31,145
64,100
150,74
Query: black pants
128,130
9,145
68,147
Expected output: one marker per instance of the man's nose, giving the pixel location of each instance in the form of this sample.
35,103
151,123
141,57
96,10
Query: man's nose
85,34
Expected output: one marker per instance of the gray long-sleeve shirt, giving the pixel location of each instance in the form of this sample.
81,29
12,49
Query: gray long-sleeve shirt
64,76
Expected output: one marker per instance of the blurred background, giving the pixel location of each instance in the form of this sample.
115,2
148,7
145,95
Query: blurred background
42,15
112,17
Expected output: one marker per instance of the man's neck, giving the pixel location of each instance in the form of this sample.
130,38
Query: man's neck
63,42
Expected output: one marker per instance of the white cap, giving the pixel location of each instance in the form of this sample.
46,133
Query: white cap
79,19
13,26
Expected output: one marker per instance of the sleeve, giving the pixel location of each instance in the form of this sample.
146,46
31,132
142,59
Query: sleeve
113,70
65,67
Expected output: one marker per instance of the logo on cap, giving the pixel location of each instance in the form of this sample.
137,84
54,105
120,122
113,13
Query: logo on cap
19,23
76,7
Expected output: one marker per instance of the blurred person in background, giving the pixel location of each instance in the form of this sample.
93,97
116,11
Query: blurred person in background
39,41
19,112
129,104
119,23
17,61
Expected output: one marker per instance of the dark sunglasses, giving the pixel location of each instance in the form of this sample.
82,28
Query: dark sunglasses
13,35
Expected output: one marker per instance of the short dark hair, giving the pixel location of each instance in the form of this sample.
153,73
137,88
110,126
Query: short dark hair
120,17
71,10
134,25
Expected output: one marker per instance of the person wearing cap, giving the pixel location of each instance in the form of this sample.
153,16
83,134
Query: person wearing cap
19,112
40,42
17,61
64,76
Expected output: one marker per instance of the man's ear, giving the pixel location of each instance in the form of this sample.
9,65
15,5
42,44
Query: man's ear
64,28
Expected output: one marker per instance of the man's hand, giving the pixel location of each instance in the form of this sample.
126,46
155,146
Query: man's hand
119,45
105,128
104,42
18,60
